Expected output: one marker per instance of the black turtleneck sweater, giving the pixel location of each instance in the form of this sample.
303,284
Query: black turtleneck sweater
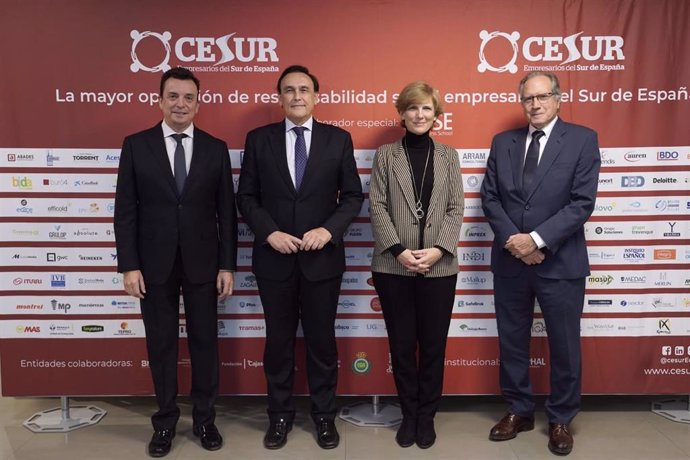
417,148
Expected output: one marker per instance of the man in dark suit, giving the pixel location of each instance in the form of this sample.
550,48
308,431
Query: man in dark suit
176,226
538,192
299,190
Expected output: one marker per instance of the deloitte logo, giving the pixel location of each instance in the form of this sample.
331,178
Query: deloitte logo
554,52
206,51
361,364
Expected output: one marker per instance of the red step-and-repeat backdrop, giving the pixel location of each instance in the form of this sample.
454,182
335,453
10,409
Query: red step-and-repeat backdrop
78,76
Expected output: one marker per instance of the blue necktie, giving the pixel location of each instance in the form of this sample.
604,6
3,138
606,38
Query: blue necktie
300,155
531,162
180,163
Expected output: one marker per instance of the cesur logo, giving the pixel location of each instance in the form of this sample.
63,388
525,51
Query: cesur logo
551,49
204,50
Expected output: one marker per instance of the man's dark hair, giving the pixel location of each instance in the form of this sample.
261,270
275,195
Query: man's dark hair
298,69
180,73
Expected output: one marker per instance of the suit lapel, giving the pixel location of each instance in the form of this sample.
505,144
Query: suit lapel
517,158
553,148
440,176
401,170
198,158
316,152
160,155
279,155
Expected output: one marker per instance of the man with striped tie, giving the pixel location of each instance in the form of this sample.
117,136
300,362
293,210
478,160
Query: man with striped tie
299,190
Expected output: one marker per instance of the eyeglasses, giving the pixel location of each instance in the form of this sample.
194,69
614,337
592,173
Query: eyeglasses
542,98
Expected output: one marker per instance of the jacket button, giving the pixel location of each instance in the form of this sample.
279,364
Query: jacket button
527,207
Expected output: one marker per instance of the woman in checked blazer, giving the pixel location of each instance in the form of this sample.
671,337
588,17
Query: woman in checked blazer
416,200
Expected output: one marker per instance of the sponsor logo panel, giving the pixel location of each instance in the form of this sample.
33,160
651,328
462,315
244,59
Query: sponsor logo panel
616,279
637,230
637,303
59,207
601,255
473,158
474,304
475,280
644,156
71,328
472,328
672,180
364,158
59,256
63,183
359,257
359,231
476,231
71,281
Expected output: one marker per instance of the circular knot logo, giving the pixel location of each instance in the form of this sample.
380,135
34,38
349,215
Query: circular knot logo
164,38
486,37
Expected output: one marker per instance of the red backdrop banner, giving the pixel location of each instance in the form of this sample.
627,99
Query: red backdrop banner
80,75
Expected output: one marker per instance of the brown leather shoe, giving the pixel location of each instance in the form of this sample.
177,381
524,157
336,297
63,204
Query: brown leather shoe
509,426
560,439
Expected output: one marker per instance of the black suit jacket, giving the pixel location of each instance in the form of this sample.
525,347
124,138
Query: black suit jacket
558,205
330,196
151,220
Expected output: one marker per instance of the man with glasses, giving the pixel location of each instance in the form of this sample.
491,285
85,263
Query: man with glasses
538,192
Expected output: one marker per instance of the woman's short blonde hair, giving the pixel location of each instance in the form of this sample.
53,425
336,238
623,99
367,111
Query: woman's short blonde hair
416,92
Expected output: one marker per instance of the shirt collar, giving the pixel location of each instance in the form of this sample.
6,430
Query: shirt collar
547,129
168,131
307,124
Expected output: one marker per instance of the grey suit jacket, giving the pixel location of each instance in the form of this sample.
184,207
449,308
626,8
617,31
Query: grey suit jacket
392,208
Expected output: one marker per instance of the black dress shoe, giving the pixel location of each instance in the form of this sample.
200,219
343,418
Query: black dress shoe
209,436
276,435
426,434
406,433
161,442
327,436
509,426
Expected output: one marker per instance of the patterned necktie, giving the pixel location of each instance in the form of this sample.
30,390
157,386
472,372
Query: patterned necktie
531,161
180,163
300,155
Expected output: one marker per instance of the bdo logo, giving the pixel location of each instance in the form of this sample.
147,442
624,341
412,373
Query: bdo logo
666,155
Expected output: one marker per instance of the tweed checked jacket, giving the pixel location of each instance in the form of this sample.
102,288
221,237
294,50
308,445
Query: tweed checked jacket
392,209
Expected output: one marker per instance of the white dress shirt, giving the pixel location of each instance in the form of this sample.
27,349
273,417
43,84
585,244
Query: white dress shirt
171,144
542,143
291,137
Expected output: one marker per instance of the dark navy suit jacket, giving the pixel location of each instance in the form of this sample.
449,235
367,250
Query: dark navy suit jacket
560,201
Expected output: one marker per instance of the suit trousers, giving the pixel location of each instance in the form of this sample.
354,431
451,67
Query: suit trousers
160,312
417,312
315,303
561,302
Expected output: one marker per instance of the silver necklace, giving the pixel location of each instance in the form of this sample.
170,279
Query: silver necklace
417,194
